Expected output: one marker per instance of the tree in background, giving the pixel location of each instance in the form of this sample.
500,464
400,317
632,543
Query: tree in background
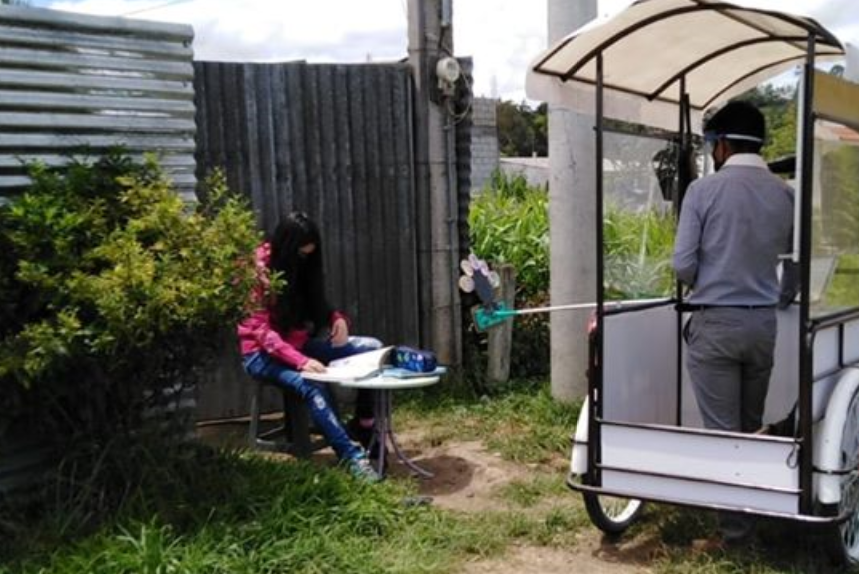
778,104
522,130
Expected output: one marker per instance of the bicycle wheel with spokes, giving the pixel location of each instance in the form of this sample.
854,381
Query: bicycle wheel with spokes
842,540
611,514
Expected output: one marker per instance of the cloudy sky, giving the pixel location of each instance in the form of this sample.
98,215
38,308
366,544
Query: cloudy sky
502,36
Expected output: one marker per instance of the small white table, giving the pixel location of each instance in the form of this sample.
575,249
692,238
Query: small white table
383,431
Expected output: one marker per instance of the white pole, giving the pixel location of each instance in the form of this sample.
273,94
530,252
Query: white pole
572,229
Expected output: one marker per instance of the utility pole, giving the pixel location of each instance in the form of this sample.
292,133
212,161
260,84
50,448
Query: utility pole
572,224
431,38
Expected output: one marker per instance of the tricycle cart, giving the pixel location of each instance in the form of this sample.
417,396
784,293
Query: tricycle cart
662,64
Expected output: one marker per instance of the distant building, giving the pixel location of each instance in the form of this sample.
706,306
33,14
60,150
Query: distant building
535,170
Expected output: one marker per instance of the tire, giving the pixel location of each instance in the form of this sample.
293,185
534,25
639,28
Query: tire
611,514
842,540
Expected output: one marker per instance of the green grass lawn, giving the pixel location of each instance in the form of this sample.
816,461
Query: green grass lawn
221,511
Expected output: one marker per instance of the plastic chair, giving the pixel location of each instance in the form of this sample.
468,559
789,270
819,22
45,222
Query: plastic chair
293,436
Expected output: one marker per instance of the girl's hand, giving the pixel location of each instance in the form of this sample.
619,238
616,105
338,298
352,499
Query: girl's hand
339,333
313,366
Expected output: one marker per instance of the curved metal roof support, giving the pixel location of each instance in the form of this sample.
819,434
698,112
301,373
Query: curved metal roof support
825,34
716,54
612,39
699,6
747,75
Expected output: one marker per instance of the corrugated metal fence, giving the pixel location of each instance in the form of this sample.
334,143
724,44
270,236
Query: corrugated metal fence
78,84
75,85
334,141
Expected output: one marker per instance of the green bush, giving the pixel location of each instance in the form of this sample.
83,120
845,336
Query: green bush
112,289
638,250
509,223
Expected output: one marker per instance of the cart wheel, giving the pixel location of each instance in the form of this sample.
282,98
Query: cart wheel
611,514
842,540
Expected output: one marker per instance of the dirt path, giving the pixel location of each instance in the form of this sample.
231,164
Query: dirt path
467,478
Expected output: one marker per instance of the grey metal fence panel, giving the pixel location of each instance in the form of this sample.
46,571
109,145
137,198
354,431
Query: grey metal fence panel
334,140
73,85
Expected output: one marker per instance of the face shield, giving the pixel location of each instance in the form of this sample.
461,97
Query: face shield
711,138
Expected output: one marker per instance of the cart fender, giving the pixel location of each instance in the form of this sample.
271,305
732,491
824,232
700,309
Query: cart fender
827,448
579,454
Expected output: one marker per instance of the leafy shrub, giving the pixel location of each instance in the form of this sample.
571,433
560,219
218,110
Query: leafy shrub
509,223
112,290
638,249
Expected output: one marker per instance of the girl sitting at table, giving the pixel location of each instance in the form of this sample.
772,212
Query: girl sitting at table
294,331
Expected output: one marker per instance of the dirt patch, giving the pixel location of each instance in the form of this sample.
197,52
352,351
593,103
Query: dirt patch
465,475
586,557
467,478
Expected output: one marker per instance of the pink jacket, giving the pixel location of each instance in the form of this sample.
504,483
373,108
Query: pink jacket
256,332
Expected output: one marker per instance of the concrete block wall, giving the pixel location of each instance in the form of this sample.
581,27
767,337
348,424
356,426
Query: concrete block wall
484,142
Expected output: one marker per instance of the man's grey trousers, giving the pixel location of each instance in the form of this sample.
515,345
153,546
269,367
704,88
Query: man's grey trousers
729,357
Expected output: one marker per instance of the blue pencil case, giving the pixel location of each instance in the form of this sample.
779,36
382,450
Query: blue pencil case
416,360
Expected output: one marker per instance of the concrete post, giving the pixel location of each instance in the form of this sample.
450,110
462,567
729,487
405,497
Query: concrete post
572,182
430,37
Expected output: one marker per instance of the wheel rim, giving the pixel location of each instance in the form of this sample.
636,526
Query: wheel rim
850,527
618,509
849,504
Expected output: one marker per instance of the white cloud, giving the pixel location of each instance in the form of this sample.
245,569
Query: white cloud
502,36
263,30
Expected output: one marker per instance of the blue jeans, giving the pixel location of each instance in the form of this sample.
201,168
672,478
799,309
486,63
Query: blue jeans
322,350
262,366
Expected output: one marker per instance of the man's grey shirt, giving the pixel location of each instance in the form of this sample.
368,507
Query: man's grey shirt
733,226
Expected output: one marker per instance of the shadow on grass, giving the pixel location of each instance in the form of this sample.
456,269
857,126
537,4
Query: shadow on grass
667,540
199,509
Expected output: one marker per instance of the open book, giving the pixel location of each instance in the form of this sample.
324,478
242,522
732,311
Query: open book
354,368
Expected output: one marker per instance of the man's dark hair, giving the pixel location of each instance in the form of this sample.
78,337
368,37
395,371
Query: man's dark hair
742,120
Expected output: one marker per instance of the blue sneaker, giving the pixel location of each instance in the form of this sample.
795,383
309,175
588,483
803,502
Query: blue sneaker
361,468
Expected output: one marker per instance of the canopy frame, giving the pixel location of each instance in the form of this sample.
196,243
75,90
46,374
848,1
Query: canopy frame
800,29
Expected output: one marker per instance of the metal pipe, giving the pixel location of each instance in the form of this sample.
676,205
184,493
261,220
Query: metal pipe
805,343
678,287
452,218
594,435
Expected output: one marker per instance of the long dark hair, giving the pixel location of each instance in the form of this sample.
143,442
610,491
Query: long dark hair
302,299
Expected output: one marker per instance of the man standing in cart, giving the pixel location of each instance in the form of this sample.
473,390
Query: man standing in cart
733,226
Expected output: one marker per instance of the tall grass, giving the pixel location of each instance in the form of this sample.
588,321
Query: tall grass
522,422
200,510
232,512
509,223
638,248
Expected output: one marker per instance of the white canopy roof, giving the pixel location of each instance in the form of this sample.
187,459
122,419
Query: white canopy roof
721,50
